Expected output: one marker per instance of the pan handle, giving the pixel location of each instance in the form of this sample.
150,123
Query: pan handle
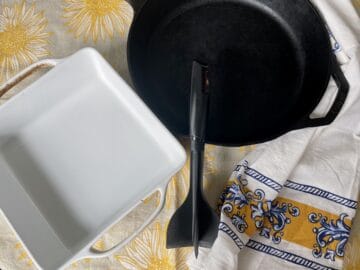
17,78
343,89
90,252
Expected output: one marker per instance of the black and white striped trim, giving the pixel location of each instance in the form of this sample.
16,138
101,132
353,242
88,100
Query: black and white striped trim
226,229
296,186
259,177
321,193
287,256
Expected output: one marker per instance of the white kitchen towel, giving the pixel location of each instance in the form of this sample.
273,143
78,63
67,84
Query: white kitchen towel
246,184
290,202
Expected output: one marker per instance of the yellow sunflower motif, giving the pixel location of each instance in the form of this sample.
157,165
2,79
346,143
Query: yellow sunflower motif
97,18
178,187
176,191
356,4
148,252
352,255
22,255
23,38
246,149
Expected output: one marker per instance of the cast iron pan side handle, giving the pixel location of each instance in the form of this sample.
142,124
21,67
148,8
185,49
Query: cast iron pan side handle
343,89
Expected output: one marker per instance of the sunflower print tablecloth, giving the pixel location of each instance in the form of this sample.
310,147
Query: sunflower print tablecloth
33,30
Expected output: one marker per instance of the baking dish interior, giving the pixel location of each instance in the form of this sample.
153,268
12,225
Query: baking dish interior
76,152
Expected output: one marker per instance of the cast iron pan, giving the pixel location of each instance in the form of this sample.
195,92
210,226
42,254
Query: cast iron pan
268,65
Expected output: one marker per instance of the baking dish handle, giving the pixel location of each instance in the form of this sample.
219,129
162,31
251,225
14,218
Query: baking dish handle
93,253
45,63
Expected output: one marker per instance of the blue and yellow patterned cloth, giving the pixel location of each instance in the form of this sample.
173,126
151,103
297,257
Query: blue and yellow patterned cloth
289,204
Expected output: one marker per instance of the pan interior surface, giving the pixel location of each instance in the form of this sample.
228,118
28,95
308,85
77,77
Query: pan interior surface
256,68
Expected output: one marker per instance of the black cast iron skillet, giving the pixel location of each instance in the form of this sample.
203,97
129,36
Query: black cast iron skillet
267,63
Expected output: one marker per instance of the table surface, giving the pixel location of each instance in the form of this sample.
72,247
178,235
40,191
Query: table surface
33,30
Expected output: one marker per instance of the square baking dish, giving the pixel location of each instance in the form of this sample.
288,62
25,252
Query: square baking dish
78,151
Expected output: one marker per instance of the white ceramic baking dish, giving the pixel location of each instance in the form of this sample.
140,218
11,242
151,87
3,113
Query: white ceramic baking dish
78,151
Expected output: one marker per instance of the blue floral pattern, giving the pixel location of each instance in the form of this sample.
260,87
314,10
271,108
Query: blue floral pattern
269,217
250,211
275,214
328,233
239,222
234,195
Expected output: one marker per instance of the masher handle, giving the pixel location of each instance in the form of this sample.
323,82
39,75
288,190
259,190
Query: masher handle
199,103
